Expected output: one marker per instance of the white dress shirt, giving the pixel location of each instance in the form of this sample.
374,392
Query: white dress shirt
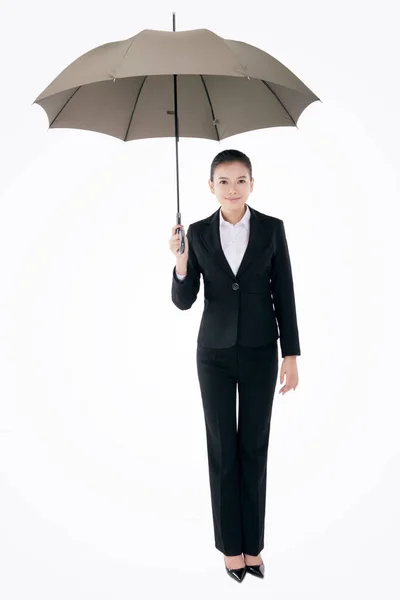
234,240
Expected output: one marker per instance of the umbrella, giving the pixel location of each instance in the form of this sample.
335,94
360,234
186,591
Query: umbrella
129,90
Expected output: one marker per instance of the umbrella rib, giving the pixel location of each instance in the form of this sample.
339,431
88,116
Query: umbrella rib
212,110
61,109
134,108
280,102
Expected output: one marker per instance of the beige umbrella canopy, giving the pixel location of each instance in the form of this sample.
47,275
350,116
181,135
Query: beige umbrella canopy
131,89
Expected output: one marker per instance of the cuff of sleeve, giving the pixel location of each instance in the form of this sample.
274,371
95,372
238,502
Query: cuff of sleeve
179,277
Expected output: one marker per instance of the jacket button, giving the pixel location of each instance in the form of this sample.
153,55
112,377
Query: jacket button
235,286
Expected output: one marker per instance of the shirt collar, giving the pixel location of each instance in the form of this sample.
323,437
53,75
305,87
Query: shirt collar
245,220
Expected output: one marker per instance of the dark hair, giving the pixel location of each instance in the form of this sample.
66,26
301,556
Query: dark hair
230,156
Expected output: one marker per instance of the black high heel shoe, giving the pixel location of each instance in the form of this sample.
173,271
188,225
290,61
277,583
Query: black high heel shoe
257,570
236,574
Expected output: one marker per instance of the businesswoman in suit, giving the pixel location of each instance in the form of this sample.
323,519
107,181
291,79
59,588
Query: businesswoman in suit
243,257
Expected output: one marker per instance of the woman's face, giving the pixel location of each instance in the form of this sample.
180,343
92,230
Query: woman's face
232,186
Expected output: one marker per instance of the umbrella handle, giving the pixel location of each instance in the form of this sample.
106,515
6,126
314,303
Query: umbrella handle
181,232
182,240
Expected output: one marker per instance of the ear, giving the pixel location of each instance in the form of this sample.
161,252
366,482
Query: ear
211,186
251,185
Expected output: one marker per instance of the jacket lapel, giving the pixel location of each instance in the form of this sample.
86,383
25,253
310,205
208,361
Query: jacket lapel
210,236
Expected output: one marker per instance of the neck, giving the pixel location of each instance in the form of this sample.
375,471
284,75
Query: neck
233,216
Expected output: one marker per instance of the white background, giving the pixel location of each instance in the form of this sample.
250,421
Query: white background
104,489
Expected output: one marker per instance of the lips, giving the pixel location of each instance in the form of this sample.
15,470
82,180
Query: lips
233,199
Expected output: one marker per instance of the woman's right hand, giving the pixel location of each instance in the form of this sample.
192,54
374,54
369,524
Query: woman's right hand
174,244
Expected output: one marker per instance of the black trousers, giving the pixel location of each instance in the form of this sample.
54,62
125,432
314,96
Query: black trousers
238,448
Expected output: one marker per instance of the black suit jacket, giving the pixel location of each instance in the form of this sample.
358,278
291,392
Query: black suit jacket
247,307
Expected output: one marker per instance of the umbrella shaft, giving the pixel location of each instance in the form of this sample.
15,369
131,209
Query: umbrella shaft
176,140
178,214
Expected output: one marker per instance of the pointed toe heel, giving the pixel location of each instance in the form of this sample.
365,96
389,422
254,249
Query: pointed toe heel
236,574
257,570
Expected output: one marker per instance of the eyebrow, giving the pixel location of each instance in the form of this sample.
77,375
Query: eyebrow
240,177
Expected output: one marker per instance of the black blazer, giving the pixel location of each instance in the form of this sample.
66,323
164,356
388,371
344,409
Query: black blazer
247,307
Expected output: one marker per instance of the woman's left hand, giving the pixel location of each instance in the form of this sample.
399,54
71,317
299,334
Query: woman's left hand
289,367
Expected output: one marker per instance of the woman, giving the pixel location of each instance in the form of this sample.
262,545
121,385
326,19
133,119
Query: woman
243,257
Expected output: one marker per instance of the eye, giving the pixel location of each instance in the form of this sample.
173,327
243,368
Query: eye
240,180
